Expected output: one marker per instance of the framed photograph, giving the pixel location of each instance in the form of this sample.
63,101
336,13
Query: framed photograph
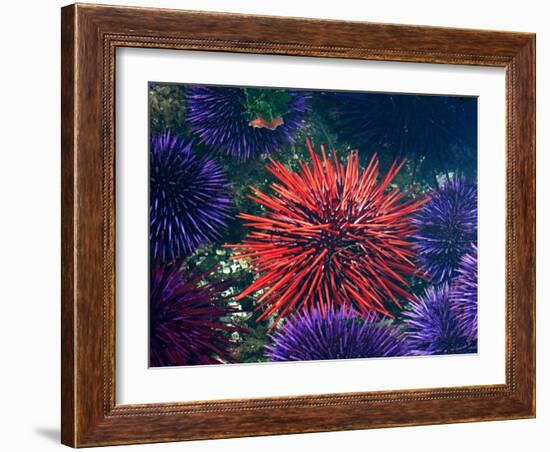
281,225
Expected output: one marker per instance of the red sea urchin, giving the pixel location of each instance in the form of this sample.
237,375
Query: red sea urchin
332,235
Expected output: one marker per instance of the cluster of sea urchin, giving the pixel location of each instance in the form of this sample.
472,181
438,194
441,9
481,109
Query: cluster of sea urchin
185,323
334,334
331,236
218,115
463,294
189,199
432,327
335,245
446,227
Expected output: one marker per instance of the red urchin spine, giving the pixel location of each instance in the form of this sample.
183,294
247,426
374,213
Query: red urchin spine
331,235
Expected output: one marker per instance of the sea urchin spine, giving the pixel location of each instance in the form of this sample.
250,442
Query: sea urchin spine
334,335
190,199
432,327
464,294
332,235
185,319
446,228
217,114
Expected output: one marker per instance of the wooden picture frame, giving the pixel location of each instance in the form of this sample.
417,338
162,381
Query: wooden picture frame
90,36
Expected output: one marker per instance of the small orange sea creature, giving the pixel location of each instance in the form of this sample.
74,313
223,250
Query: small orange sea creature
261,123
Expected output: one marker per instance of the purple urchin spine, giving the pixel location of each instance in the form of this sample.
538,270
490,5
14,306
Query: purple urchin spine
217,115
185,319
334,334
431,327
189,199
464,294
446,227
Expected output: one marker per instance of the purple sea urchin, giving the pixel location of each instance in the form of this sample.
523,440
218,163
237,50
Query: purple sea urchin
431,326
185,320
446,227
464,294
218,115
427,130
189,199
333,335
